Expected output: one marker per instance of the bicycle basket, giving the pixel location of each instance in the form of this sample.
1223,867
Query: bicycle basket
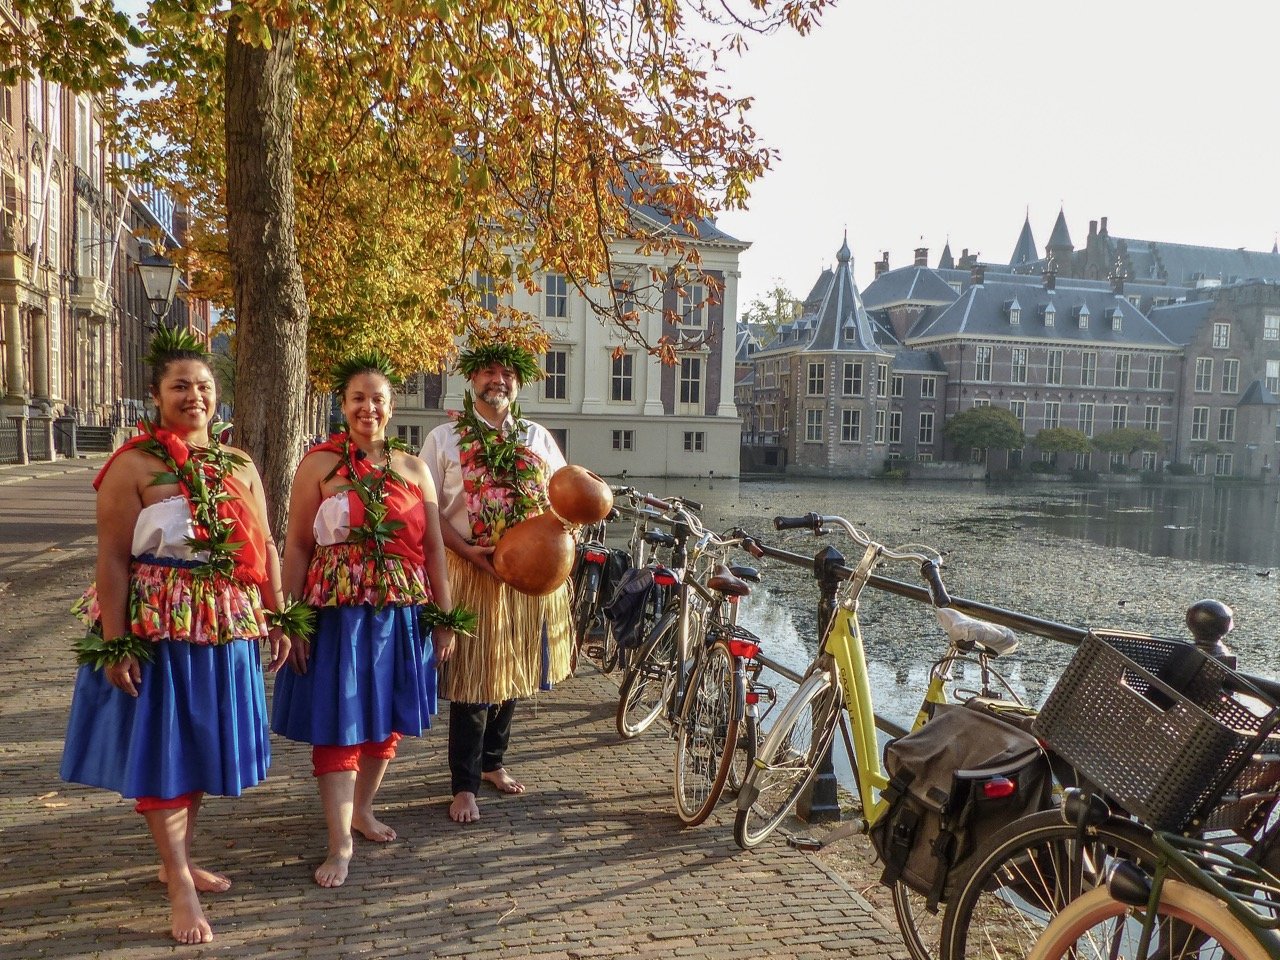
1153,724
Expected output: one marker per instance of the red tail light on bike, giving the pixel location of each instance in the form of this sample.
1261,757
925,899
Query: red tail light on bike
753,697
744,648
665,578
997,788
594,556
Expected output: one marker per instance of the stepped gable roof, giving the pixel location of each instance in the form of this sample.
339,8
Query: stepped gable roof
841,321
1025,251
1185,264
1180,322
1061,236
1257,395
982,311
918,361
909,285
946,261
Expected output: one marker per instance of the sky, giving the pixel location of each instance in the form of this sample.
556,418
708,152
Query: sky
911,122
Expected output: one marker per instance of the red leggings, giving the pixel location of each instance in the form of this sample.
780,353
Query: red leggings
180,802
326,759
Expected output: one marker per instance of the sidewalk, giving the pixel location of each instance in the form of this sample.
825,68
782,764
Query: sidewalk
590,862
18,473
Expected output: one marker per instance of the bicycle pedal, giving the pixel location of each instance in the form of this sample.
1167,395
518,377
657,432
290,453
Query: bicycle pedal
595,653
807,844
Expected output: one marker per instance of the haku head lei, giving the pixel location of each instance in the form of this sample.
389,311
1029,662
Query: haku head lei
522,361
370,361
175,344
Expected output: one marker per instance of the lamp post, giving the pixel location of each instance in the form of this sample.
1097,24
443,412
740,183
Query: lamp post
160,282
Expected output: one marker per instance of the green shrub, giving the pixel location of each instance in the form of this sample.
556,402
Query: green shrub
1181,470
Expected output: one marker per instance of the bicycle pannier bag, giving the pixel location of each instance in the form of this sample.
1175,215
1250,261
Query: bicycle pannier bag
625,609
952,782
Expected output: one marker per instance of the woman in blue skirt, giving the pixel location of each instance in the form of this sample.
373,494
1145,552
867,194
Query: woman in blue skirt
169,703
363,546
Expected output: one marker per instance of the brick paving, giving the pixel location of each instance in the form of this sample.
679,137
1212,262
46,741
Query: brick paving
590,862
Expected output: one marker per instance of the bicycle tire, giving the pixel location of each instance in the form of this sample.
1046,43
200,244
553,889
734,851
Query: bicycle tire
706,735
782,769
749,741
920,927
649,678
1093,925
1025,875
586,604
609,649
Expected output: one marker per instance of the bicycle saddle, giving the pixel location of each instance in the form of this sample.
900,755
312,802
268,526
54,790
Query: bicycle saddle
723,581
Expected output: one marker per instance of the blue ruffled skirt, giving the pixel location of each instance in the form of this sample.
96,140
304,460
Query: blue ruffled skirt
199,722
372,673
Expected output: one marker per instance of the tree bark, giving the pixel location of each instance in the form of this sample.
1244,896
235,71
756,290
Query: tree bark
271,312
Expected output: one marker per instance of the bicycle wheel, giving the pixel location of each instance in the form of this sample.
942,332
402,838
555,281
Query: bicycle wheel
1096,926
608,649
649,678
788,759
748,746
1025,875
585,604
706,736
921,928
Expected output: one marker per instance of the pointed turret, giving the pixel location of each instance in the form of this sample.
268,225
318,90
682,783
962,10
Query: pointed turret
1060,239
1025,250
946,261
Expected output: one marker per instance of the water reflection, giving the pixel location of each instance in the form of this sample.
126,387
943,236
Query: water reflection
1133,558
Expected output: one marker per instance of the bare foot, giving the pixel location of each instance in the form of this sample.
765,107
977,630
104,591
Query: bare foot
333,872
206,881
464,809
371,828
189,923
503,781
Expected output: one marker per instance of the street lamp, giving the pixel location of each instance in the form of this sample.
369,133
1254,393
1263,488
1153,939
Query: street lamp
160,282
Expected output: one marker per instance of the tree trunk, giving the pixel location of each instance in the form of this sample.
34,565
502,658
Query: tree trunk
270,300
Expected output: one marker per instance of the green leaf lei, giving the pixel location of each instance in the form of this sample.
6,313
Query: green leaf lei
91,650
376,531
295,619
459,619
496,453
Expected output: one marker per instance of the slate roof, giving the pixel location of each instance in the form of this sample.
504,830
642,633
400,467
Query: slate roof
1257,394
1181,321
699,229
841,321
746,343
1024,251
1184,263
946,261
909,285
917,361
981,311
1060,237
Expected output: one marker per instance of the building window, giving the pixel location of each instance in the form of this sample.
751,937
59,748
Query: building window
1148,460
1119,416
83,146
813,426
693,306
1204,374
1230,376
1117,319
1085,419
1088,369
691,381
1227,424
53,237
1083,317
1018,366
817,383
879,426
556,295
556,384
1199,423
1123,361
926,428
1050,314
1152,420
695,441
626,440
895,426
1198,464
882,379
1053,368
487,288
851,379
1221,336
928,388
622,379
1273,376
896,386
1052,414
1019,409
1271,327
1222,464
411,435
982,364
850,426
1015,313
981,402
1155,372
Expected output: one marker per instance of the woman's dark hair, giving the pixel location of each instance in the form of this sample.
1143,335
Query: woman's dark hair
368,362
169,346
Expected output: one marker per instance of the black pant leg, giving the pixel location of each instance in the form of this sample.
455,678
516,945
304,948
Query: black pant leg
468,723
497,734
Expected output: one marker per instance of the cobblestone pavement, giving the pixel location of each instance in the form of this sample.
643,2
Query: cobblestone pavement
590,862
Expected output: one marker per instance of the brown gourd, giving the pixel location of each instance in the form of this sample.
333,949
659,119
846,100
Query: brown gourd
535,556
579,495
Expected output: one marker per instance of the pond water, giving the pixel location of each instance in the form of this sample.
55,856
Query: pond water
1132,557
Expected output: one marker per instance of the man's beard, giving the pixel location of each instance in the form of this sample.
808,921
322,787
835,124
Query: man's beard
496,398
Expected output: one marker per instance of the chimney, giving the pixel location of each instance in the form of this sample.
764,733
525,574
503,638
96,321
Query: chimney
978,275
966,261
882,265
1093,228
1104,226
922,256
